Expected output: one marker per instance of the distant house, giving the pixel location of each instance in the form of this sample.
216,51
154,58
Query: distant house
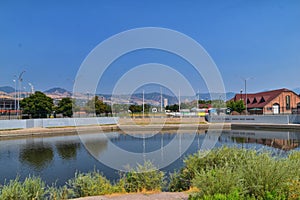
281,101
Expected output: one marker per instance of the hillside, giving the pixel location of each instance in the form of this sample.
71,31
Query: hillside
7,89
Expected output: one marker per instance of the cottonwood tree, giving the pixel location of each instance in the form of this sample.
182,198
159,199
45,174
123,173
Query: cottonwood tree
37,105
65,107
95,105
237,106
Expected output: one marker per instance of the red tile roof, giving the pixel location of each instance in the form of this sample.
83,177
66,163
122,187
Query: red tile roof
262,98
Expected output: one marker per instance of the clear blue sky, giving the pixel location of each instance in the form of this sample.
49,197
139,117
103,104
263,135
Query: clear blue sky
50,39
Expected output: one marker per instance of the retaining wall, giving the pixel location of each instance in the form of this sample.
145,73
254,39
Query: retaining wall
294,119
252,119
56,122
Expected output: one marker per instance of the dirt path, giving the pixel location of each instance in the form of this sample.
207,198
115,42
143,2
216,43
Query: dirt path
160,196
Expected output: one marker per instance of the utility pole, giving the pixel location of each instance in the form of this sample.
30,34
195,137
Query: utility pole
161,100
179,100
246,99
31,88
15,95
198,100
20,79
143,103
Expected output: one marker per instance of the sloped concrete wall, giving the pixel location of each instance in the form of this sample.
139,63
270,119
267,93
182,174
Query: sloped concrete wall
253,119
56,122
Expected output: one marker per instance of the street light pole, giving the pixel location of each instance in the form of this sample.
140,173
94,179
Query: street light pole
15,95
20,86
179,101
197,103
31,88
143,104
246,99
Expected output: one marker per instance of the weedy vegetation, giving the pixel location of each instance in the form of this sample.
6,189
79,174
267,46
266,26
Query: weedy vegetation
221,174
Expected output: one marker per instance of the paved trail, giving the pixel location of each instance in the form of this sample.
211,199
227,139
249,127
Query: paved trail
158,196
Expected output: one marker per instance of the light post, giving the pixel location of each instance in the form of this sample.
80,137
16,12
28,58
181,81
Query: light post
19,91
26,93
197,103
15,95
179,101
31,88
246,100
241,98
143,104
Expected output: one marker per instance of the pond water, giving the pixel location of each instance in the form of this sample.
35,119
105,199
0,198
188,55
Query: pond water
56,159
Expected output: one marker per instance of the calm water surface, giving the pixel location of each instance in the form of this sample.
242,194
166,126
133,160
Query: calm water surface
56,159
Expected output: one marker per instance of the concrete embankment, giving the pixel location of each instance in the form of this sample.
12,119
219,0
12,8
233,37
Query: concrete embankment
124,125
286,127
148,124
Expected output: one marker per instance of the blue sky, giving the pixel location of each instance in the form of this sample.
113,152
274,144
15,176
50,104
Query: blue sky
50,39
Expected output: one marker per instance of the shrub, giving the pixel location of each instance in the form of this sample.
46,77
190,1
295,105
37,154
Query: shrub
263,175
90,184
31,188
59,193
217,181
253,174
203,160
144,178
12,190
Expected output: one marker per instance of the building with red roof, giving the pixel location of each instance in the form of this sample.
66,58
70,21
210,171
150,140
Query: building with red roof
281,101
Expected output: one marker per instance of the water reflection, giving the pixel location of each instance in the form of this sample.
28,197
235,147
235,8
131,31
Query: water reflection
282,140
36,155
58,158
67,151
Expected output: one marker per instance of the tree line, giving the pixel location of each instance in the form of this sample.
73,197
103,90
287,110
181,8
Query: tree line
39,105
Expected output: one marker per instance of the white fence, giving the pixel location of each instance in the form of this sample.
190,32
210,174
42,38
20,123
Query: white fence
56,122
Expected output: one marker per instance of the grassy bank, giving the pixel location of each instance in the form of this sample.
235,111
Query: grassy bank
225,173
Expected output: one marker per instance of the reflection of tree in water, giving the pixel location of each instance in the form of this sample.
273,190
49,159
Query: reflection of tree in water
275,143
67,151
38,156
96,146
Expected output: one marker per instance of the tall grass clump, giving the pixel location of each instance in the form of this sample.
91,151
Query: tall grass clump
32,188
144,178
91,184
232,173
59,193
225,156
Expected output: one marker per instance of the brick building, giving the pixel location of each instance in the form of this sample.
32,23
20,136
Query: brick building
281,101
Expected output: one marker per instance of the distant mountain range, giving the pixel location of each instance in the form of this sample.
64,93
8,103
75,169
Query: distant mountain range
7,89
58,90
152,97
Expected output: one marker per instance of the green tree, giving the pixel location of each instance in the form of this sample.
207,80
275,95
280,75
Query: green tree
136,108
173,108
65,106
139,108
37,105
95,105
237,106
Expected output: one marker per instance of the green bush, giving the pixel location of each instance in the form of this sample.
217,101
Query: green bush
253,174
144,178
234,195
263,175
32,188
217,181
216,158
59,193
90,184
